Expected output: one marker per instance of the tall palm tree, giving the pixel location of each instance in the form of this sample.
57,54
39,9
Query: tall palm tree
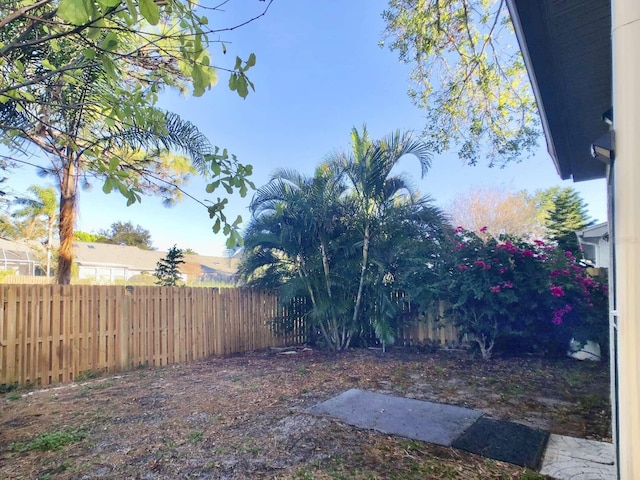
369,168
87,140
290,243
42,205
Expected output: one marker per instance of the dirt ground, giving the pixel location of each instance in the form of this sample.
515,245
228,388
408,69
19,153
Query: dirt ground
244,417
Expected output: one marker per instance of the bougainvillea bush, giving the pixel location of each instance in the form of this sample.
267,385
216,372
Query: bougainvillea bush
529,294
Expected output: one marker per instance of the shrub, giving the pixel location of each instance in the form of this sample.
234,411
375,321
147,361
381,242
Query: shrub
530,292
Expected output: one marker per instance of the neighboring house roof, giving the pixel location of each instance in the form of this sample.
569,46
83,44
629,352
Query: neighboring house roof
134,258
594,242
10,249
105,254
594,232
566,46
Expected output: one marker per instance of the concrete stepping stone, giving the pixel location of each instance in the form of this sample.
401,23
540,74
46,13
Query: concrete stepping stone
569,458
425,421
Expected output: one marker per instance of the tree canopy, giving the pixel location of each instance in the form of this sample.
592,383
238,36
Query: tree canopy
348,239
494,211
80,81
563,213
124,233
168,268
468,74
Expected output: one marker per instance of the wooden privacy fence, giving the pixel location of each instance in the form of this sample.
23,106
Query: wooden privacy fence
27,279
426,329
51,333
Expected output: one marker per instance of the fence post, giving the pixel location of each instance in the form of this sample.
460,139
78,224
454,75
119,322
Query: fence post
124,362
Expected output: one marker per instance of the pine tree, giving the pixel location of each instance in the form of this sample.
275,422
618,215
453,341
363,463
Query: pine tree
566,216
168,268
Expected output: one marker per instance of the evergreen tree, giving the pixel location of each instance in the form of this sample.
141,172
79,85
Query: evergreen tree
168,268
124,233
566,215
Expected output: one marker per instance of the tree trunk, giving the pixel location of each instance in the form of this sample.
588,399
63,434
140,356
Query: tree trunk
363,270
68,205
52,221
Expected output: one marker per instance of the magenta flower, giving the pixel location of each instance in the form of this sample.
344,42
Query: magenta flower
527,253
539,243
503,269
557,291
459,229
462,268
484,229
507,285
558,314
495,289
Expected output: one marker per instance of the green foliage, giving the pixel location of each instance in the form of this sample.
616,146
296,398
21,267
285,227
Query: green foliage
89,237
468,74
347,239
89,375
509,288
80,80
563,213
168,268
124,233
195,436
50,441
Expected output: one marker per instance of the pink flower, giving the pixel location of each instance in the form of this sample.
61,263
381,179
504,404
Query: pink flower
527,253
459,246
503,269
459,229
508,246
462,268
507,285
495,289
558,314
539,243
479,263
484,229
557,291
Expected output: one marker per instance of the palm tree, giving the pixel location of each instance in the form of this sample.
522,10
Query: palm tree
291,243
85,141
43,204
368,167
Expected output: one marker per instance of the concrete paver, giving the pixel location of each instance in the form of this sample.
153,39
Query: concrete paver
569,458
425,421
565,458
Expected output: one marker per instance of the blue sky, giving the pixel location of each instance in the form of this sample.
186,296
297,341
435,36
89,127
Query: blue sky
319,72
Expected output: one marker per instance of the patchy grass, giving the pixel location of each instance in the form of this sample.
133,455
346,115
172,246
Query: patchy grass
49,441
244,417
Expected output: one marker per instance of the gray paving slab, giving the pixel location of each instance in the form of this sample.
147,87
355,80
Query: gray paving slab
425,421
569,458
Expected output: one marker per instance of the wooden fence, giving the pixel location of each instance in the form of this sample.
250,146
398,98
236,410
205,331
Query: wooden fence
427,329
52,333
26,279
